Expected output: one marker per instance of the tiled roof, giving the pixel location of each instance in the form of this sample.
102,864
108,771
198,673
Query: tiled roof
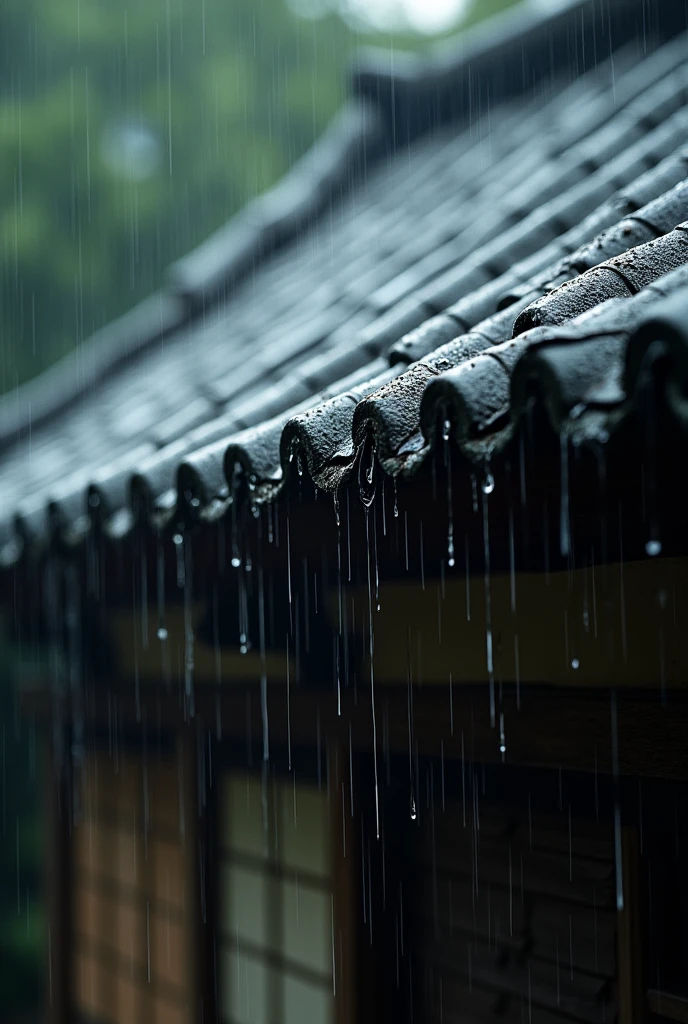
474,230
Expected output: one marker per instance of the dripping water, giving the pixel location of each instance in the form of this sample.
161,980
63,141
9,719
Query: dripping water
188,627
339,601
488,605
451,560
564,520
617,804
371,652
160,578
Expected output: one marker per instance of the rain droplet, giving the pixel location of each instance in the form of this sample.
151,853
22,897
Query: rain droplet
178,540
575,663
414,812
653,547
446,430
488,484
162,633
366,474
236,561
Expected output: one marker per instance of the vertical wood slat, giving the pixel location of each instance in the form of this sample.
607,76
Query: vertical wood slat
191,866
630,981
58,878
343,849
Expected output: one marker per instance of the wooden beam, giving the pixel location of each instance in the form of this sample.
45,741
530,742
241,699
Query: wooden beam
592,627
568,729
630,965
58,887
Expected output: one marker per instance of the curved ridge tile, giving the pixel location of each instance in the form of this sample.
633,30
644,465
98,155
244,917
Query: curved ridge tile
537,226
261,452
658,216
425,339
472,395
570,366
663,211
570,299
391,413
156,476
620,277
605,233
472,248
324,435
628,234
662,336
524,282
205,475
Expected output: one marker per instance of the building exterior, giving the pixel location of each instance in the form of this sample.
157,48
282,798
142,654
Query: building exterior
356,559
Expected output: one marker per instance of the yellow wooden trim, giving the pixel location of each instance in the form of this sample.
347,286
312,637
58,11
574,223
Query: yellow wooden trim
612,626
151,658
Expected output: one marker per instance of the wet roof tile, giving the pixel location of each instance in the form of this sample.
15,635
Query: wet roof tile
436,257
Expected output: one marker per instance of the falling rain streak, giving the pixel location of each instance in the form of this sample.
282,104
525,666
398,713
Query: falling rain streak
400,291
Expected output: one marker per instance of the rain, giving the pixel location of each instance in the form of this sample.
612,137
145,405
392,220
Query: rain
343,404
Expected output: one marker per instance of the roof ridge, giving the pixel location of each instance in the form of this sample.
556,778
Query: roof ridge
504,56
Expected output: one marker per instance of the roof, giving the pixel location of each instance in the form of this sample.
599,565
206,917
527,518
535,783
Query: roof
479,229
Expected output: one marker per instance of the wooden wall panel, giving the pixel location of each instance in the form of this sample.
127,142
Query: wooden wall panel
520,914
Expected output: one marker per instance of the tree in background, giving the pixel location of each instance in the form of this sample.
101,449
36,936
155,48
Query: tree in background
130,131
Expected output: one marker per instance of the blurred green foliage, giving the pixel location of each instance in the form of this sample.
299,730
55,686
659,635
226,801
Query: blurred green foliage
129,131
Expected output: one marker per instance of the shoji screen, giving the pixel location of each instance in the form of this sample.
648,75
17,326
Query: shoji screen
130,895
275,962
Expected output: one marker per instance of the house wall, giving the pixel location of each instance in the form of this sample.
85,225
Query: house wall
131,898
515,915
